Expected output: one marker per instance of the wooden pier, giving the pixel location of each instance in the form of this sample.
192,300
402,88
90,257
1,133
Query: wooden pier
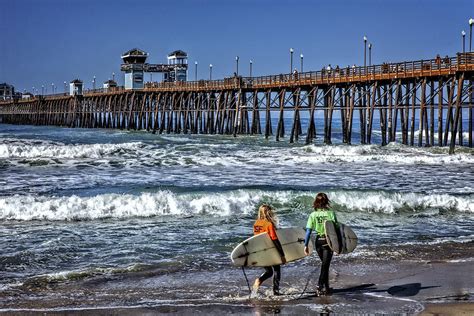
432,94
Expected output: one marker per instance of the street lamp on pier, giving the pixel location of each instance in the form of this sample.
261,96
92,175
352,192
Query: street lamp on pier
463,41
291,60
42,89
93,83
52,88
237,64
113,76
65,87
301,59
365,51
210,71
195,71
370,54
471,22
250,65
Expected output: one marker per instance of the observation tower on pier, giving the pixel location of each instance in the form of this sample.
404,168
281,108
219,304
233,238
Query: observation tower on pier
134,65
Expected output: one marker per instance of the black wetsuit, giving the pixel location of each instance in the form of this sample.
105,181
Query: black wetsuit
274,271
325,254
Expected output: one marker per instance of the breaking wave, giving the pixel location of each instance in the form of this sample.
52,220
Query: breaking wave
225,154
238,202
12,148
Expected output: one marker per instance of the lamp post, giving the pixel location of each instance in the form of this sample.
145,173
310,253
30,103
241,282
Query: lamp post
93,83
52,88
42,89
195,71
301,59
471,22
33,90
65,87
237,64
250,65
291,60
113,76
365,51
463,41
370,54
210,71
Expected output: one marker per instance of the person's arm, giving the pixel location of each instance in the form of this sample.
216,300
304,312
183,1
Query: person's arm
307,237
306,240
309,229
279,248
276,242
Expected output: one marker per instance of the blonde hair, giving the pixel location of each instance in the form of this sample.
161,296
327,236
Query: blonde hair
265,212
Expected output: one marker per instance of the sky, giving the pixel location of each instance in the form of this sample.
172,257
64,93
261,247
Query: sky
52,41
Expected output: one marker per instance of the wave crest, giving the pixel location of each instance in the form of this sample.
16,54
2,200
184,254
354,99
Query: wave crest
239,202
43,149
178,152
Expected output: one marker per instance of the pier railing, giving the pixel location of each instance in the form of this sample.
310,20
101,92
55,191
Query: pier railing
386,71
327,75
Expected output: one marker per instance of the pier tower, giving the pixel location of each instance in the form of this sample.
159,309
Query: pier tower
134,66
75,87
178,60
109,85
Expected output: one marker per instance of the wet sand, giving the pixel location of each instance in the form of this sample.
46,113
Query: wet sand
458,309
441,287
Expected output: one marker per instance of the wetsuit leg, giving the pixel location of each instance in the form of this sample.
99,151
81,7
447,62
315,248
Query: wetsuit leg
325,254
276,279
268,273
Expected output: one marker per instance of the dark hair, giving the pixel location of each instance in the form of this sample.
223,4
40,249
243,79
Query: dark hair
321,201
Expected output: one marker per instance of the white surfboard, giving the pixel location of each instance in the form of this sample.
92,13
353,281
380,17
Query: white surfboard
260,251
340,239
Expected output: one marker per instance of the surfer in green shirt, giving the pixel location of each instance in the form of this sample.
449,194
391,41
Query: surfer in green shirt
321,213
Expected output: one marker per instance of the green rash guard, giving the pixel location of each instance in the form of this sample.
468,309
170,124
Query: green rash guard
317,218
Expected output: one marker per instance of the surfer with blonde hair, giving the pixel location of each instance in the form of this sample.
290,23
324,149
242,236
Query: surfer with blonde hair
322,212
266,223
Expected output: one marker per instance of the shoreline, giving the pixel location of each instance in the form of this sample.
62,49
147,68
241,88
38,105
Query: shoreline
387,287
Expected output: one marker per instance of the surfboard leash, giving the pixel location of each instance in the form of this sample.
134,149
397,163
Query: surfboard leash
247,279
307,282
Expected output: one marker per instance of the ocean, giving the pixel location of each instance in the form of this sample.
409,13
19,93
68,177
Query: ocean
96,218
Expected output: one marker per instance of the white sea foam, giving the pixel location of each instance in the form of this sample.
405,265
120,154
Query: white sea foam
123,205
416,134
392,153
225,154
239,202
63,151
385,202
